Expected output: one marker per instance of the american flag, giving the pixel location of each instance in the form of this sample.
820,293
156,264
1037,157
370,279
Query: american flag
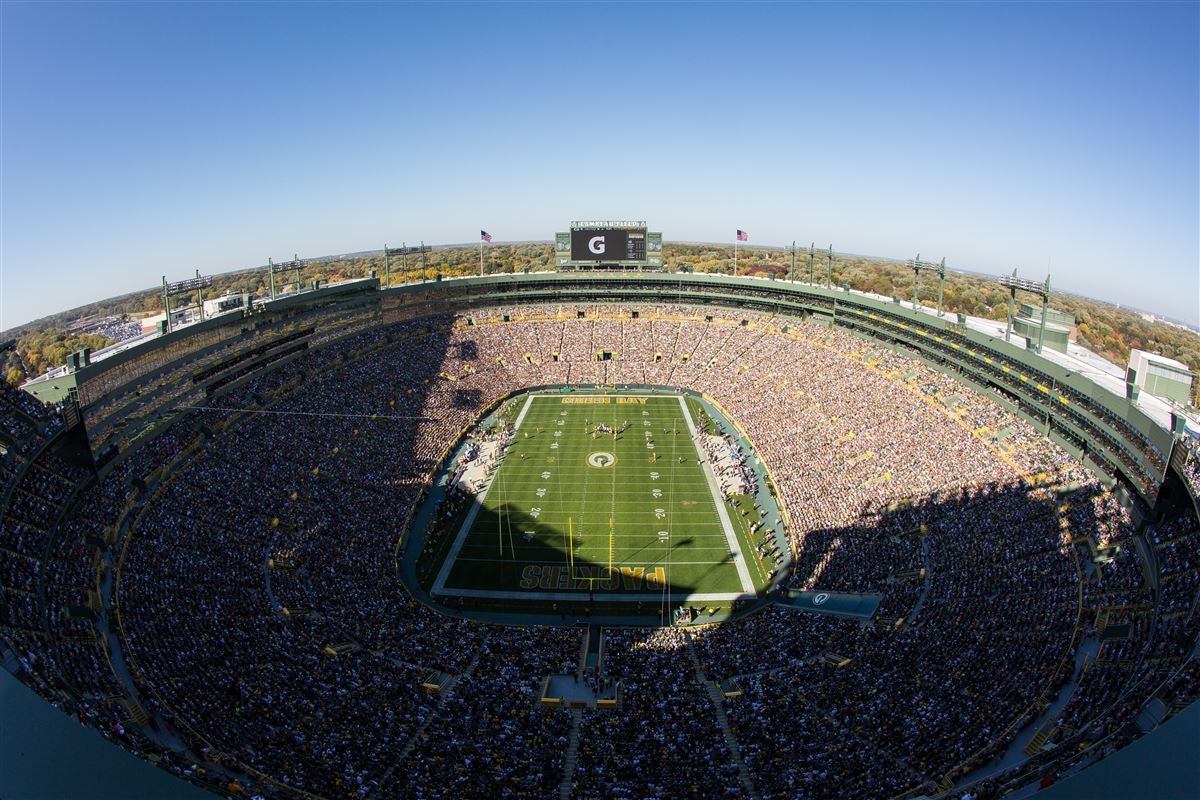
485,236
743,236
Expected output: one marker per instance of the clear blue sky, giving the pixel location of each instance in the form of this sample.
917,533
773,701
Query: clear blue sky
144,138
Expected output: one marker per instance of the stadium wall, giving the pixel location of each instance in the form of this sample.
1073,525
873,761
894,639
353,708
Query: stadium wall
134,393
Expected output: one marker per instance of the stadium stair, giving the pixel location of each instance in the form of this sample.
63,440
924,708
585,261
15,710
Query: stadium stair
592,641
925,573
11,662
1039,740
944,786
592,654
419,733
137,714
835,659
717,696
571,758
1149,560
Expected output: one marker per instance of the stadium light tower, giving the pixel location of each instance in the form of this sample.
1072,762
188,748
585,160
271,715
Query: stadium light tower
295,265
404,251
188,286
200,293
813,252
792,274
1033,287
387,265
916,265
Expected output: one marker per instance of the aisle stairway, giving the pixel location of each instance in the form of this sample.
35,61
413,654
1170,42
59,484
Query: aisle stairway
589,657
717,697
572,757
417,735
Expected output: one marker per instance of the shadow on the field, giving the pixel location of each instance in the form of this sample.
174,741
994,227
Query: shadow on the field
511,550
650,549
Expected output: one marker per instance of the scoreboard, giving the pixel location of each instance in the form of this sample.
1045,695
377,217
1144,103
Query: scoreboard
608,243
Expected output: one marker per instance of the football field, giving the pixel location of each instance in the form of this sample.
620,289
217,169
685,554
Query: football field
598,496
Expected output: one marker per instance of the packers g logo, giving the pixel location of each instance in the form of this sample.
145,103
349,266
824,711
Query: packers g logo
596,245
820,599
601,460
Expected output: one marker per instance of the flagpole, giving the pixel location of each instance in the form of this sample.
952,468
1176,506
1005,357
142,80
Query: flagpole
735,241
481,255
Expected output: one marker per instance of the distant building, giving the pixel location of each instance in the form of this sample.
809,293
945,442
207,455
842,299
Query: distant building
178,319
191,314
1160,376
229,302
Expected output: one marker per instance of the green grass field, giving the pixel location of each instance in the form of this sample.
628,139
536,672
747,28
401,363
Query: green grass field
572,512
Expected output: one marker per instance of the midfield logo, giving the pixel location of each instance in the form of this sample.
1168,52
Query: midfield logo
601,460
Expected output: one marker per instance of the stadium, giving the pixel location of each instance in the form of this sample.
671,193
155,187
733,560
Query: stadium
606,531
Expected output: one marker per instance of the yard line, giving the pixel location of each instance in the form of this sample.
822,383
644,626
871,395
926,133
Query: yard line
684,512
558,564
645,536
624,494
524,411
603,597
558,483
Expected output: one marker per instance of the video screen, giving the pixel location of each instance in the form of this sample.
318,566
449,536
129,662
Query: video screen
608,244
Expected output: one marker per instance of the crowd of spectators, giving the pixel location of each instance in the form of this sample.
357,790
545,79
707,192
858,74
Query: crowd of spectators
491,738
260,613
53,527
1190,448
26,425
665,741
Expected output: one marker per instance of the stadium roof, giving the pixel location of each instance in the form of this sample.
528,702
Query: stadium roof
1161,359
120,347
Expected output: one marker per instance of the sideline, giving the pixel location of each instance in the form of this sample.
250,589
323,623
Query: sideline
439,585
730,537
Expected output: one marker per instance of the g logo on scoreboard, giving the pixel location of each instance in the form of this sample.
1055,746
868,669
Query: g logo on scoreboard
600,244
